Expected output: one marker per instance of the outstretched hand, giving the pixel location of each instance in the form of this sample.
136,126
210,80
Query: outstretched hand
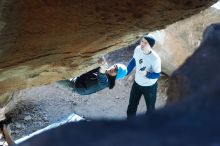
103,65
101,61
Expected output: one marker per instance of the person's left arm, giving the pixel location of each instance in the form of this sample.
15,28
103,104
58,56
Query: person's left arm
156,69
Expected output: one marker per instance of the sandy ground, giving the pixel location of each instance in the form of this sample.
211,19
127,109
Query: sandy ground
38,107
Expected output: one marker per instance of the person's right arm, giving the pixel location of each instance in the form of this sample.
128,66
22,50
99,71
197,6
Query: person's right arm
102,78
131,65
103,65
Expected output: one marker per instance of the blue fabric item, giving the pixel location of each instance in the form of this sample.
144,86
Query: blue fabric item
143,68
150,40
122,71
131,65
152,75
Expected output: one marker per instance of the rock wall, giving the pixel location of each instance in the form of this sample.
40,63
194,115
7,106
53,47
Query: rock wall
188,80
178,41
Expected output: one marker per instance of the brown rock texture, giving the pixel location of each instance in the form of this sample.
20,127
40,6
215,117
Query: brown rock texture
188,80
178,41
43,41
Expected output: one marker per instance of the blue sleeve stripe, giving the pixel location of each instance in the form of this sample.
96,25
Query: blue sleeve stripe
131,65
153,75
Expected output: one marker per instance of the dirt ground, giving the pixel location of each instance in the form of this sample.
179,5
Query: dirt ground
39,107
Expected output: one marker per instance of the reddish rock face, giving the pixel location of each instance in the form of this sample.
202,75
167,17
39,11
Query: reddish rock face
43,41
178,41
200,71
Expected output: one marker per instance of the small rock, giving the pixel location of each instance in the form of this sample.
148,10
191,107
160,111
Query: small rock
45,118
15,132
18,125
27,118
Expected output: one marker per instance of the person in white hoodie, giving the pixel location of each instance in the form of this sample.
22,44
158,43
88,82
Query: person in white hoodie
148,68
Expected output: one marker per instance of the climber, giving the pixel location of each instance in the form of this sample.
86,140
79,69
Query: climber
96,79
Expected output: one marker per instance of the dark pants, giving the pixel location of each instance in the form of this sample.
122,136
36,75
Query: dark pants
149,92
